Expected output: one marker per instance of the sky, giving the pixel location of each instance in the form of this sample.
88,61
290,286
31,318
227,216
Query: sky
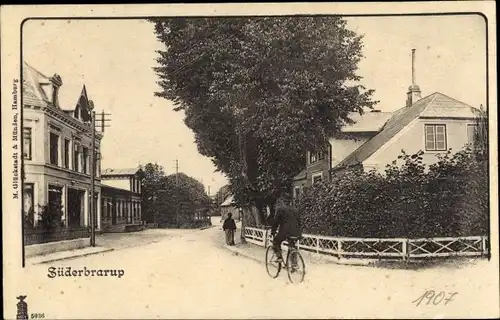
114,59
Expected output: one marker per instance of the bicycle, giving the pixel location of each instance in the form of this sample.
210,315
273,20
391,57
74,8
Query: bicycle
294,263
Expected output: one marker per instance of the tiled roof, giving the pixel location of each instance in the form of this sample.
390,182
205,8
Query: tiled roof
300,176
228,202
367,122
446,107
33,93
118,172
400,119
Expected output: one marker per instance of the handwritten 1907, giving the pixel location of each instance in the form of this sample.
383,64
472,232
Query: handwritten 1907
435,297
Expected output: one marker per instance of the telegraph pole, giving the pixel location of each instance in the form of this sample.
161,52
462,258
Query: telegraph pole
102,120
102,123
92,183
177,191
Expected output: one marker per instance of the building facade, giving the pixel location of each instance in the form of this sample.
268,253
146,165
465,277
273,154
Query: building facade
57,152
121,203
228,206
433,124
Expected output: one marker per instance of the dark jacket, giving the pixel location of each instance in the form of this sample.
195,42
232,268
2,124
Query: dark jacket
287,219
229,224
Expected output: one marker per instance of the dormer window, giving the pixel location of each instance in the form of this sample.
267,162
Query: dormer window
316,156
77,113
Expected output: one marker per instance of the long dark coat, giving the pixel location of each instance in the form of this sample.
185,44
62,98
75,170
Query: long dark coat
229,224
288,222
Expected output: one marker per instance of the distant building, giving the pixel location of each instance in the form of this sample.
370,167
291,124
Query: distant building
57,151
228,206
432,124
121,199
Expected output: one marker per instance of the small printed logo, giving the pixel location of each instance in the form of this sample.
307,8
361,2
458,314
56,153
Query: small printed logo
22,308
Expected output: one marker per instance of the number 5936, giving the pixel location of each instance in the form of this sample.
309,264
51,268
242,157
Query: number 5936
435,298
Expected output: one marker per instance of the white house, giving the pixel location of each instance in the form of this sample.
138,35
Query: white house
228,206
432,124
57,151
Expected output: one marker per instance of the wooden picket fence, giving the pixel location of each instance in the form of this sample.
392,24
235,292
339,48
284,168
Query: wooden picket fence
374,248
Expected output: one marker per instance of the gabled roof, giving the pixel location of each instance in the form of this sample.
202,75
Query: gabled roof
367,122
120,172
84,104
33,93
436,105
228,202
300,176
443,106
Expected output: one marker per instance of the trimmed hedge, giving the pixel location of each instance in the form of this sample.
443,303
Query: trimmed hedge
447,199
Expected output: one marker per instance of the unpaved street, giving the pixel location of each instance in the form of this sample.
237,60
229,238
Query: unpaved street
189,274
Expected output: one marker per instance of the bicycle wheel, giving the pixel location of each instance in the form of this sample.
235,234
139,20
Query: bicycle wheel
296,267
273,268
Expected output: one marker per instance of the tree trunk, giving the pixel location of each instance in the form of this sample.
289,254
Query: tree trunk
243,225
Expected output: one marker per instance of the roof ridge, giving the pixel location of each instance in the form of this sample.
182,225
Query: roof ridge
447,96
399,120
35,69
429,103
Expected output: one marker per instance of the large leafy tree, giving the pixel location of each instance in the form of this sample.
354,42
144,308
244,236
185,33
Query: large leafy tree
165,197
180,197
259,92
152,182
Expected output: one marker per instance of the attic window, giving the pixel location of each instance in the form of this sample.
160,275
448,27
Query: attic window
77,112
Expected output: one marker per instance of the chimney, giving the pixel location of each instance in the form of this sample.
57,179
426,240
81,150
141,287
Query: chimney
413,94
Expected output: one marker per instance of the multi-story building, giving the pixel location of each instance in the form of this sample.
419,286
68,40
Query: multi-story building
121,199
57,151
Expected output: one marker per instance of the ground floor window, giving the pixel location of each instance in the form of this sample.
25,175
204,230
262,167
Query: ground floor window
55,205
28,204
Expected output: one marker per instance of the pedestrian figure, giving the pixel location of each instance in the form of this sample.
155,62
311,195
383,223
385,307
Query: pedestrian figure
229,227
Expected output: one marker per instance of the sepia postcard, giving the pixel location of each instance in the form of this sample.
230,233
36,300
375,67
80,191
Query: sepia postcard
250,160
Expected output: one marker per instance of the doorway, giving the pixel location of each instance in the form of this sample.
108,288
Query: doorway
75,207
113,212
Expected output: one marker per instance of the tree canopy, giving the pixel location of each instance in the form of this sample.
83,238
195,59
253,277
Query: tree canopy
167,196
260,92
222,194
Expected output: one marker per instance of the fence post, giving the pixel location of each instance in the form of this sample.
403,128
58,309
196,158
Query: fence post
266,239
483,244
317,245
404,248
339,248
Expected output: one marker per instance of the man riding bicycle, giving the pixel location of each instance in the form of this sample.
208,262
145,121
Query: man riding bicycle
287,222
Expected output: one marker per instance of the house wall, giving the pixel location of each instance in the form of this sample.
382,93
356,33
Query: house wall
118,183
412,139
230,209
341,148
41,173
125,204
